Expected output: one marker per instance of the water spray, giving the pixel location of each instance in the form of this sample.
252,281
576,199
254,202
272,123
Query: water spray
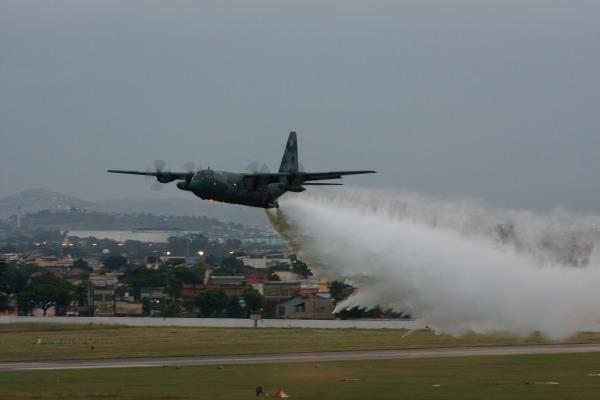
454,265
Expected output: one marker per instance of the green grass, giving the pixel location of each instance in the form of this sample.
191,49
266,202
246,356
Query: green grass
20,342
502,377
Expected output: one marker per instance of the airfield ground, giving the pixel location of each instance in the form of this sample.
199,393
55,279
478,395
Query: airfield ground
495,377
501,377
23,342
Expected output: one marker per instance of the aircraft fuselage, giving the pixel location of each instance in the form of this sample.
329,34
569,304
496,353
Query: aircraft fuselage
235,188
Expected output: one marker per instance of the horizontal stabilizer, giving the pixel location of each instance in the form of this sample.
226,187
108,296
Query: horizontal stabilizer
322,184
319,176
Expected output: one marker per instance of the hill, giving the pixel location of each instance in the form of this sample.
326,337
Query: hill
35,200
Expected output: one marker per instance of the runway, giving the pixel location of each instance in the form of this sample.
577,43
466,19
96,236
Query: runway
285,358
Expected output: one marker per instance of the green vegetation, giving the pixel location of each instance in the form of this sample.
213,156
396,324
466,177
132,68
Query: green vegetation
502,377
32,287
54,341
44,291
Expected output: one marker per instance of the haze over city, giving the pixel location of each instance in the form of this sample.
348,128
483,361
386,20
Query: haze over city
476,99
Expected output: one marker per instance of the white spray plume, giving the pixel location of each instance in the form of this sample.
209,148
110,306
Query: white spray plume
454,265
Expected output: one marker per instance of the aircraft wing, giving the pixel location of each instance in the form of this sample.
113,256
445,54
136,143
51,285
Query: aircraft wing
261,179
319,176
162,174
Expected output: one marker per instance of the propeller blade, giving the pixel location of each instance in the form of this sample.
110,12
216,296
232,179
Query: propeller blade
148,177
156,185
159,165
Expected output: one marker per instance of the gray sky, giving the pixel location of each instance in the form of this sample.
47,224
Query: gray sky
498,100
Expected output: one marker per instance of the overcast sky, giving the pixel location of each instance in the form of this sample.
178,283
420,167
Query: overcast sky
497,100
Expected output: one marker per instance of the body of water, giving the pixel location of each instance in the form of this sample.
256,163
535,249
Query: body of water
121,236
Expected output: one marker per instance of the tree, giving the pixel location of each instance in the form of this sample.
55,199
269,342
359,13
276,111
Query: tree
253,300
273,276
171,310
339,290
300,268
187,245
138,276
4,276
3,301
212,259
199,270
115,263
211,302
357,312
46,291
81,264
234,309
16,277
231,262
279,267
4,286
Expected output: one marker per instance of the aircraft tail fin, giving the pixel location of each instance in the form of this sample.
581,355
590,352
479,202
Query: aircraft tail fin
289,162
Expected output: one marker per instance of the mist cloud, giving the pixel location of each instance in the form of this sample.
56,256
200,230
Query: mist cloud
454,265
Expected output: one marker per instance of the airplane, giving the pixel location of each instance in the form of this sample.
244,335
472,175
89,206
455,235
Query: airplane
255,189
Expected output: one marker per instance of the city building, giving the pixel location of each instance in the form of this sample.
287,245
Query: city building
156,298
102,296
230,285
279,290
128,309
265,261
311,306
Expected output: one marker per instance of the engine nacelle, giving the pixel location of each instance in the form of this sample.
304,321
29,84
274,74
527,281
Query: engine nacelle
165,178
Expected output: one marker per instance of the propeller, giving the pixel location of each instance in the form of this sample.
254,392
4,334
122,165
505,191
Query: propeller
159,167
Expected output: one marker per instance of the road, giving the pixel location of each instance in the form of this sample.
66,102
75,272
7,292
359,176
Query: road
284,358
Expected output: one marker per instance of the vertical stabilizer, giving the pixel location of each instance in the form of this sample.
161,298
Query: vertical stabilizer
289,162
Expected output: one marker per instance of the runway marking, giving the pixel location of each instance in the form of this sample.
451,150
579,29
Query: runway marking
297,357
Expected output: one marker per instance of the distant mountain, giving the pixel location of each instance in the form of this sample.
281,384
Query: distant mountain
187,207
40,199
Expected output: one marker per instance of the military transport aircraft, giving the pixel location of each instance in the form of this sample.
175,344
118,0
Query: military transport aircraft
255,189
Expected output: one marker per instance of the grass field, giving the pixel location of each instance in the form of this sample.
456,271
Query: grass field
20,342
503,377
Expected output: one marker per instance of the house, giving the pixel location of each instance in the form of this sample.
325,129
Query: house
189,290
51,261
128,309
153,293
287,275
279,290
156,298
102,296
265,261
230,285
312,306
254,278
313,286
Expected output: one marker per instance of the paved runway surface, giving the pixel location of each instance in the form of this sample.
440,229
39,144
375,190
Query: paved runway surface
297,357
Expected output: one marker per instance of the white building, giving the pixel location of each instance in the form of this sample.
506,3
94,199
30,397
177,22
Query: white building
265,261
